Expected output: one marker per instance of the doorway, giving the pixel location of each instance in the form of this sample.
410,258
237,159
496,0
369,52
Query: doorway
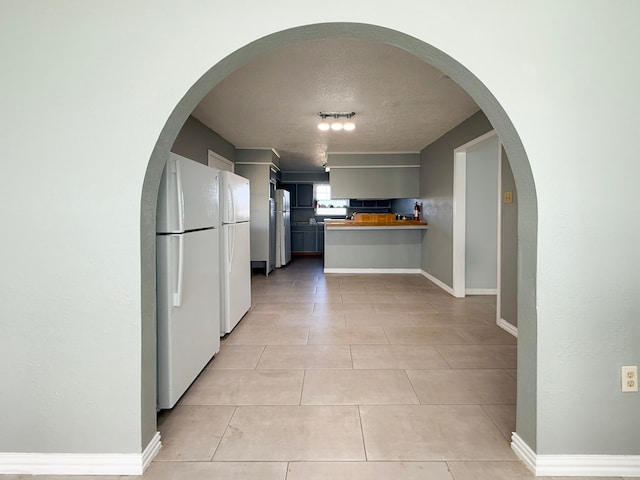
450,67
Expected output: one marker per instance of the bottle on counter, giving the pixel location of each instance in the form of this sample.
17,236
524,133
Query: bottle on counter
416,211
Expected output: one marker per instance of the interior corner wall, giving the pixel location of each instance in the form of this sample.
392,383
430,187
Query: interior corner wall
509,248
196,139
436,189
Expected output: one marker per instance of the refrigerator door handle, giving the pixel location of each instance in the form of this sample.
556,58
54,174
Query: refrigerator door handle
177,295
232,245
179,197
231,206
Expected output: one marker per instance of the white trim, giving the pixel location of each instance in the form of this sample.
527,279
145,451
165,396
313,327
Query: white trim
459,212
480,291
80,463
523,451
213,157
374,153
459,222
576,465
151,451
503,324
499,240
438,282
372,270
372,166
271,164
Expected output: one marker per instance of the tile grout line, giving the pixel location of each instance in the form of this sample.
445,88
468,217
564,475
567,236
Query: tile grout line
264,349
235,409
304,377
364,442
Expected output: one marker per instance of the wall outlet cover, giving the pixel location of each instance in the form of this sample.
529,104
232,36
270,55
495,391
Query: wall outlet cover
629,378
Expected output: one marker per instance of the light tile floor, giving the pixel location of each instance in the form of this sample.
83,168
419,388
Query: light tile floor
349,377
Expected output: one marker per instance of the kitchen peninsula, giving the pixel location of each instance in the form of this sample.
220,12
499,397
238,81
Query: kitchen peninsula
375,243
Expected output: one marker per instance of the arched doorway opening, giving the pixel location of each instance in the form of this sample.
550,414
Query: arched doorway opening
527,218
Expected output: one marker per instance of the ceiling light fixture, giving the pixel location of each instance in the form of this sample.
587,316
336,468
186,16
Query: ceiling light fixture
336,125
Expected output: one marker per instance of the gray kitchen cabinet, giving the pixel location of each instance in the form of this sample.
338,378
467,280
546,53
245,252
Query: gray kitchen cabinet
309,240
297,241
304,195
301,194
374,175
292,188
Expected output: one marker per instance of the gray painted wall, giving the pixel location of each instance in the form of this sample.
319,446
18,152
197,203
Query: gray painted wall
576,328
304,177
481,252
436,187
509,248
196,139
363,248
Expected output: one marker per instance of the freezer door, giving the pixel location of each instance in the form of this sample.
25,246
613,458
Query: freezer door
283,203
188,198
236,274
188,313
235,198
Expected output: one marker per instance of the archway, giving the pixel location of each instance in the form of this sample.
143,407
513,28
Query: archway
527,219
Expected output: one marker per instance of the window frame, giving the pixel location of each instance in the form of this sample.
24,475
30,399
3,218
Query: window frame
339,207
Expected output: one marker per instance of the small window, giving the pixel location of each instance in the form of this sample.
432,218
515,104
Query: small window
327,206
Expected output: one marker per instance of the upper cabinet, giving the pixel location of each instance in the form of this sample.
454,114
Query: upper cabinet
304,195
300,194
374,175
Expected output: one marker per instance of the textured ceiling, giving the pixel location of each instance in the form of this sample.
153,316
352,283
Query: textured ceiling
402,104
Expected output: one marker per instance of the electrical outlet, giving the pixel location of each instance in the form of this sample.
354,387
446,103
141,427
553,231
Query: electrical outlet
508,197
629,377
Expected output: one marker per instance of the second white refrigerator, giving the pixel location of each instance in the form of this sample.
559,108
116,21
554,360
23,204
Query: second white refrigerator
283,228
235,264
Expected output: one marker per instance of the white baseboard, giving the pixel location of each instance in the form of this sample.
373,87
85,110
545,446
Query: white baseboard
438,282
80,463
372,270
480,291
503,324
576,465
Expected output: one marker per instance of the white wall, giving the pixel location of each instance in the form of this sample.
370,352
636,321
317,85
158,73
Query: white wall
87,89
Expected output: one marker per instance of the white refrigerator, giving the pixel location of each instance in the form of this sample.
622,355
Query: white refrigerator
187,275
235,258
283,228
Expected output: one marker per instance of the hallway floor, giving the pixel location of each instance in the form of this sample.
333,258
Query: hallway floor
349,377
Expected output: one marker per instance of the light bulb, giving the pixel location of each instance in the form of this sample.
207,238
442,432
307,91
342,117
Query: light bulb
337,126
324,126
349,126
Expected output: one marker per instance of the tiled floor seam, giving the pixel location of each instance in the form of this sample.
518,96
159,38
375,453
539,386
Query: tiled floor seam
235,409
364,441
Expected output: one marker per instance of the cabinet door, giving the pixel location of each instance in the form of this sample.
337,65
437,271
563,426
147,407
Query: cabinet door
309,241
292,189
320,237
305,195
297,241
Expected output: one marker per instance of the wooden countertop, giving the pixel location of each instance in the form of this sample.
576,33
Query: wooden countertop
358,225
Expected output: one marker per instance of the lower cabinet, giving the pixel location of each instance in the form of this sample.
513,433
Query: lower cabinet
297,240
307,238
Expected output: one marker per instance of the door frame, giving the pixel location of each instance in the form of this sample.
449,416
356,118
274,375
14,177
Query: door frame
460,216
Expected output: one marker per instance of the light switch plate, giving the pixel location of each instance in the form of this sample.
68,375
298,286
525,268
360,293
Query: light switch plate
629,378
